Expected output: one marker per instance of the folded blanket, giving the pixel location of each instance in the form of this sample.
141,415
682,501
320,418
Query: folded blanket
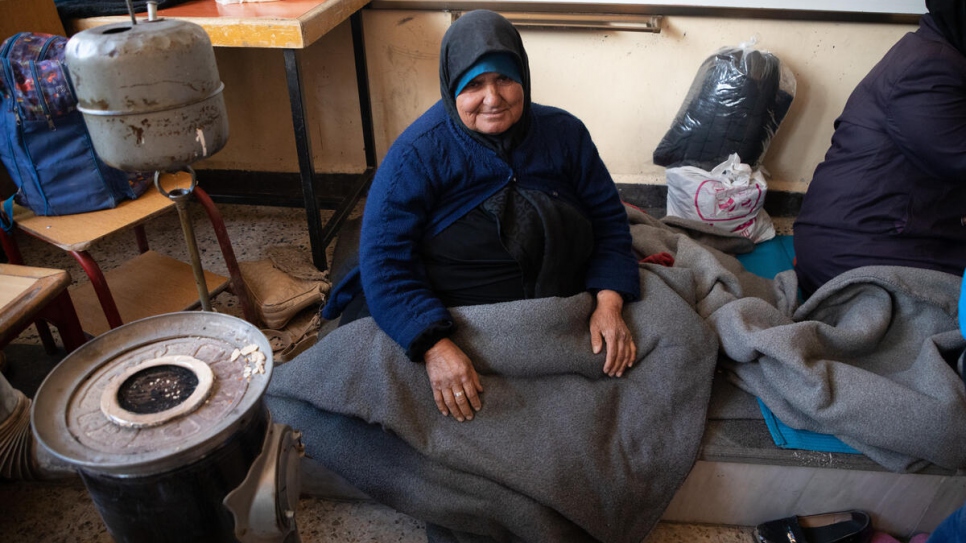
868,358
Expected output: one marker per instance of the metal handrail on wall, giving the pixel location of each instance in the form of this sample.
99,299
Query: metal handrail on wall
588,21
609,14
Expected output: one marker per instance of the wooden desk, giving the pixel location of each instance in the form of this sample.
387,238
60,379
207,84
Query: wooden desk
289,25
27,294
284,24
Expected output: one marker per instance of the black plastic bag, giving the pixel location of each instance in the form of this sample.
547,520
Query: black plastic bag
734,106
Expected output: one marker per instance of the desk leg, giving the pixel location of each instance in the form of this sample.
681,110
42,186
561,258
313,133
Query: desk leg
362,81
303,145
62,313
319,238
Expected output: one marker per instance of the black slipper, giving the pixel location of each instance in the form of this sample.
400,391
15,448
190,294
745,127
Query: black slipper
840,527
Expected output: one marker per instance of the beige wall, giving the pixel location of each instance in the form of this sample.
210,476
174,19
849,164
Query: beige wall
626,86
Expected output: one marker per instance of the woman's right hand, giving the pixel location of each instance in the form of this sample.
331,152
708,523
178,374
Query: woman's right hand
456,385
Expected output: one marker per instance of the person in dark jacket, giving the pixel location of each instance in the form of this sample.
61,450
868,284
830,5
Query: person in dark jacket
488,198
892,187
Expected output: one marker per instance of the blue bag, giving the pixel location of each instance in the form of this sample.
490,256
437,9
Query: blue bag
44,142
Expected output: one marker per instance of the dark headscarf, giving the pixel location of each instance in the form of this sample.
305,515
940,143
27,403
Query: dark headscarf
950,17
467,39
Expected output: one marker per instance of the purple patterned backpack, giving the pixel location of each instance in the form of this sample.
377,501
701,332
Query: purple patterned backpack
44,142
40,85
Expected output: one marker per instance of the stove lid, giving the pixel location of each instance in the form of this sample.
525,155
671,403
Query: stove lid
154,394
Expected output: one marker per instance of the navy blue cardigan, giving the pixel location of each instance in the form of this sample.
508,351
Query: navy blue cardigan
435,173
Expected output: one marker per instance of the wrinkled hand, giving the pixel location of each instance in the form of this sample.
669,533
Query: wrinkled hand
456,385
607,327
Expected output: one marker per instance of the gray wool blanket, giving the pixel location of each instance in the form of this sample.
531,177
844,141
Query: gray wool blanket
561,452
869,357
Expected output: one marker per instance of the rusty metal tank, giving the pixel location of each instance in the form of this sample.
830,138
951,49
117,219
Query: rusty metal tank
150,93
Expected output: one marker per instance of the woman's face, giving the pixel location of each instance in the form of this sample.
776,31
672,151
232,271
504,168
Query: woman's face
491,103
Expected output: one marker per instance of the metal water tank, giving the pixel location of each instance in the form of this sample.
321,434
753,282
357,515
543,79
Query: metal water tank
150,93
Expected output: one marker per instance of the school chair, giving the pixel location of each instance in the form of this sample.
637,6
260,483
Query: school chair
148,284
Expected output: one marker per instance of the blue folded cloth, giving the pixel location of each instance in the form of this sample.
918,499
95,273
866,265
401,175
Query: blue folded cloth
786,437
770,257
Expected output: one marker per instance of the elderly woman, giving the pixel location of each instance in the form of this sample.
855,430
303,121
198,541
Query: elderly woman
488,198
890,190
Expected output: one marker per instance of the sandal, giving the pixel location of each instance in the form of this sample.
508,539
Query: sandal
840,527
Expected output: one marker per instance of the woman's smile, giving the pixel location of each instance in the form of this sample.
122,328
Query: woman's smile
494,114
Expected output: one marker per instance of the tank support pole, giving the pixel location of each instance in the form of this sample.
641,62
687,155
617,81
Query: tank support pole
180,197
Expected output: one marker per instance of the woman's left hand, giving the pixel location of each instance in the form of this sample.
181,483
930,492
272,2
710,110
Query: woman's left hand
607,326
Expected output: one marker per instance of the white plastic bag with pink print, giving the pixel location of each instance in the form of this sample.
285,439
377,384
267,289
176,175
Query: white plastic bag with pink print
730,197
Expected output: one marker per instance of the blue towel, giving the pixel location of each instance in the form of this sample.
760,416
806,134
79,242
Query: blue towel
786,437
768,260
770,257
